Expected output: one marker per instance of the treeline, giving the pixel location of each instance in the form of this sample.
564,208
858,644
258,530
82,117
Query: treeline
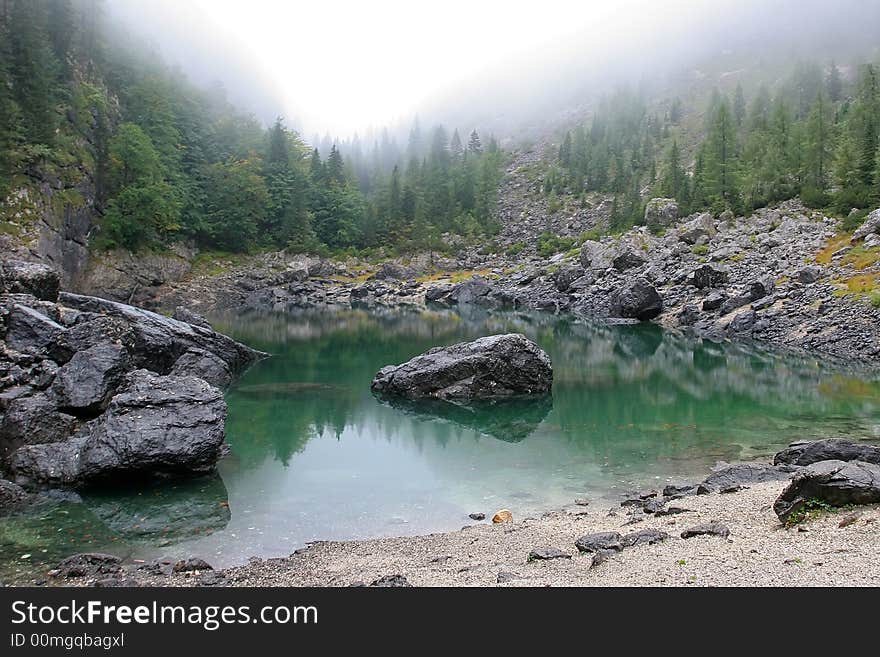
171,161
817,136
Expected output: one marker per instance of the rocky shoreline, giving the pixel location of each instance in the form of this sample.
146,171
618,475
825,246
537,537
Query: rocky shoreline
95,392
783,276
728,529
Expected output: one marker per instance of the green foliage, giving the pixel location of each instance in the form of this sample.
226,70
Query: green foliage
171,161
550,244
811,509
817,137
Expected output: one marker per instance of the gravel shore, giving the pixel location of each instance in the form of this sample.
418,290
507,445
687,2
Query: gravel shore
759,551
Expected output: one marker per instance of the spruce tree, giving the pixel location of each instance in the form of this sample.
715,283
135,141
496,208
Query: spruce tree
834,84
739,105
475,146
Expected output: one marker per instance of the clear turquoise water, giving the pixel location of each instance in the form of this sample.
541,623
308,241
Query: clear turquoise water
316,456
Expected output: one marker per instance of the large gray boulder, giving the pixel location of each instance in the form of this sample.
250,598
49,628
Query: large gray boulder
34,419
19,277
661,212
807,452
84,384
596,255
157,426
697,230
490,367
870,227
638,300
156,342
205,365
29,331
726,476
707,276
394,271
833,483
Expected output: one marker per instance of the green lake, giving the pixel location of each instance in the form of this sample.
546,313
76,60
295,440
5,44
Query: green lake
315,456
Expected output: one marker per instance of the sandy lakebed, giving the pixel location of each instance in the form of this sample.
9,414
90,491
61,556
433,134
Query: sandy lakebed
834,548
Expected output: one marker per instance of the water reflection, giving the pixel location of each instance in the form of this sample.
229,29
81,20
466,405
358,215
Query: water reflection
316,456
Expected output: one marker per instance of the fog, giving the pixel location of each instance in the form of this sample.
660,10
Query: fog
502,65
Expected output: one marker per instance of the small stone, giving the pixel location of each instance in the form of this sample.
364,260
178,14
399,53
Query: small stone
580,501
545,554
849,520
477,516
504,577
708,529
599,541
502,516
391,581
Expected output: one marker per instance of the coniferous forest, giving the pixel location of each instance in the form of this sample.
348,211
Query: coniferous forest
815,136
171,161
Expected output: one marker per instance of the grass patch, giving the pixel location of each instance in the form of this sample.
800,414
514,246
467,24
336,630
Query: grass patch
810,511
834,245
700,249
550,244
861,258
214,263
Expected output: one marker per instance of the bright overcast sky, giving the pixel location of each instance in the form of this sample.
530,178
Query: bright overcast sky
341,66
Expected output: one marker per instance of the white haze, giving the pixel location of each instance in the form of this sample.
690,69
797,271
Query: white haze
340,66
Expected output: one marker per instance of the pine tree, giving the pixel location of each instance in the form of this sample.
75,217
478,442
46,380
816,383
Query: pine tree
674,182
721,158
818,145
676,111
335,167
834,84
33,70
565,151
739,105
475,146
455,147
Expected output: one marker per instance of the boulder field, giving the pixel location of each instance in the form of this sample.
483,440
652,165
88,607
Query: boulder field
94,391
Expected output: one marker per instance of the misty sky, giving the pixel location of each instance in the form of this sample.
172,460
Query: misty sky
341,66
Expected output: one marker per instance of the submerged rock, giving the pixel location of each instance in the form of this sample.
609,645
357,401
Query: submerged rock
490,367
833,483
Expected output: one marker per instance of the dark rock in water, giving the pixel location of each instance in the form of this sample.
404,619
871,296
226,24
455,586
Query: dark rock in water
88,564
835,483
494,366
470,291
12,497
738,474
627,260
29,331
34,420
708,276
393,271
644,537
599,541
832,449
639,300
182,314
545,554
509,419
205,365
707,529
391,580
191,564
477,516
86,382
19,277
155,427
159,512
